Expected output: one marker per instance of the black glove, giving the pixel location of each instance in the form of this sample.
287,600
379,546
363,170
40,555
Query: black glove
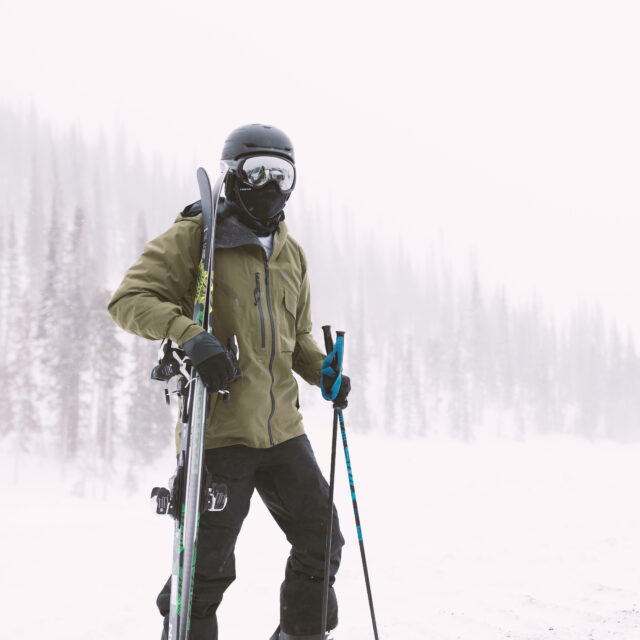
212,361
340,401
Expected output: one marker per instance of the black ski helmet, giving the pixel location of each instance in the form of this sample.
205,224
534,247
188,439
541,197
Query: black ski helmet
254,139
262,210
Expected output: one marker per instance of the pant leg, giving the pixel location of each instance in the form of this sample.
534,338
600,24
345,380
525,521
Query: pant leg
292,487
215,561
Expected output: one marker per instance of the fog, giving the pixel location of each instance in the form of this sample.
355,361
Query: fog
467,199
509,128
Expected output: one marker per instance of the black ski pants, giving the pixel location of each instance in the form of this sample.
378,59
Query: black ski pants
292,487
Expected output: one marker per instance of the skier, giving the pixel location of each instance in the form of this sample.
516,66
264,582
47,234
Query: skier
256,439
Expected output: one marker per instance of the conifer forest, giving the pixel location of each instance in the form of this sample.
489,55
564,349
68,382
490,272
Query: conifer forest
430,351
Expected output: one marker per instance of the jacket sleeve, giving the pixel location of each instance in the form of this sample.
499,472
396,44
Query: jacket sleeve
152,299
307,355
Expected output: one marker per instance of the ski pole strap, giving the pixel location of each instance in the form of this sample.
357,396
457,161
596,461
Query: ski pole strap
331,373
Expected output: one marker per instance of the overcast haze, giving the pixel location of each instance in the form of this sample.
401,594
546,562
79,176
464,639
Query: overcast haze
510,127
504,134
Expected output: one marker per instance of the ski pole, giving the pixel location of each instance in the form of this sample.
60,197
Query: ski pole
328,341
357,517
337,416
327,553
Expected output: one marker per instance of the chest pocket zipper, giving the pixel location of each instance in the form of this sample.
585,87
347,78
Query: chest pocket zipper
258,303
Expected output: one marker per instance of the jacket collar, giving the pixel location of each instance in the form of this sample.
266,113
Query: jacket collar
231,233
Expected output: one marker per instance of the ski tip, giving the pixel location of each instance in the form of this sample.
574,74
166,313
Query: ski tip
203,182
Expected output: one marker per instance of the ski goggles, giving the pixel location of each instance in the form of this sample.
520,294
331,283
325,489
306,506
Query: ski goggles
258,171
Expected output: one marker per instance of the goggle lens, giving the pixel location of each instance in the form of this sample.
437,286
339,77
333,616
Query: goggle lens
257,171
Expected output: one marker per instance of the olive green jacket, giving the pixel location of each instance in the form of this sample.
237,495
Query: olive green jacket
265,303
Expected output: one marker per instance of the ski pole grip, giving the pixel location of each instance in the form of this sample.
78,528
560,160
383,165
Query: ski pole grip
328,340
340,342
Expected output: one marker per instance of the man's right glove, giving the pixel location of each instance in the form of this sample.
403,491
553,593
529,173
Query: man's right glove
212,361
341,399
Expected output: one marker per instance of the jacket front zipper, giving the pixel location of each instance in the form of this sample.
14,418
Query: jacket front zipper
273,348
257,297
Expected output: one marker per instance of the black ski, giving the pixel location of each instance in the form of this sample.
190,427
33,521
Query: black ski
191,490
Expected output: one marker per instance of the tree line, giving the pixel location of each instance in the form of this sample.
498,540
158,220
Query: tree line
430,350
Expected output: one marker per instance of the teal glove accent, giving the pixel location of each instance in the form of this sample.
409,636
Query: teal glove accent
331,373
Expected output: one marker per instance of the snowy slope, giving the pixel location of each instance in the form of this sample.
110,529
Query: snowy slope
480,541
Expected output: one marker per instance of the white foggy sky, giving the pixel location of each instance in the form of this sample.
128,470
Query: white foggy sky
512,126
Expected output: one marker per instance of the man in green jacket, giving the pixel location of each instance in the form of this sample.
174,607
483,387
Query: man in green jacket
255,440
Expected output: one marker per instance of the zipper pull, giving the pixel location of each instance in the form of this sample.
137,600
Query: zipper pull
256,293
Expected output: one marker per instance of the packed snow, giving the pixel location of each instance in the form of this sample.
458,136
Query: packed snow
479,540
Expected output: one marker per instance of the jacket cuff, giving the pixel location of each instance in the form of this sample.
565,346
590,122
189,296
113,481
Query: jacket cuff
183,329
316,374
317,379
310,371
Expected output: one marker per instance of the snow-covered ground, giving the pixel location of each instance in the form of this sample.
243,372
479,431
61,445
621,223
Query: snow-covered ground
470,541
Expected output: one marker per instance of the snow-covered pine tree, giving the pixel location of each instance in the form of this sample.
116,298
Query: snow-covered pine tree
106,376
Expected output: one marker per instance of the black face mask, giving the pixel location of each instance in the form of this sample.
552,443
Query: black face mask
262,209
